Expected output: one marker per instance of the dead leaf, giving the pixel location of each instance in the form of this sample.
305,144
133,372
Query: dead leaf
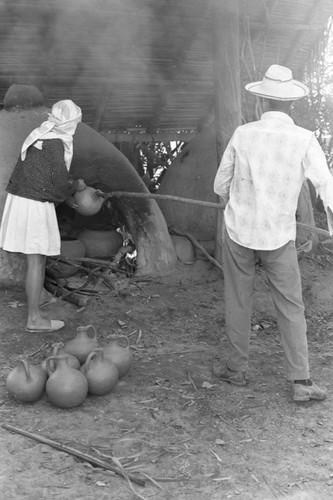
100,483
15,303
207,385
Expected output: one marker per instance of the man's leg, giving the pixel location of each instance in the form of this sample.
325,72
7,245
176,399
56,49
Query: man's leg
286,290
239,271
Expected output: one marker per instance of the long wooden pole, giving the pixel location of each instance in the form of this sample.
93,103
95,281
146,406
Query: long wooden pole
218,206
127,194
73,451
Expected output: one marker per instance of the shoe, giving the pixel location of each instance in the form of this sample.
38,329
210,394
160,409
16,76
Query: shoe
55,325
233,377
307,392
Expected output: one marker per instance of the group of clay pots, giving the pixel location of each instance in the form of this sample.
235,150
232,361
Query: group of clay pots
73,370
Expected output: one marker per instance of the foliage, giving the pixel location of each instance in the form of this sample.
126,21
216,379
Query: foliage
316,111
154,159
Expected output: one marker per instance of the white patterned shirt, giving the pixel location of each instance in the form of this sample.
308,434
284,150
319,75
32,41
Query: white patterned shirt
260,178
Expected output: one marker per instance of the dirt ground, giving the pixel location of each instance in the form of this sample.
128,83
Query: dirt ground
169,422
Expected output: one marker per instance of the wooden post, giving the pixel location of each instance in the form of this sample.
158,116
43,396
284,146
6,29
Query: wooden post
226,85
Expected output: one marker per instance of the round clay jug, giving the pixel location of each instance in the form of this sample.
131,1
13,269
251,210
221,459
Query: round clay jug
102,374
57,349
184,249
83,344
66,387
101,244
87,201
70,247
118,354
26,382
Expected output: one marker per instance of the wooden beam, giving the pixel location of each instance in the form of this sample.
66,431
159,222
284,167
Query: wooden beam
163,135
285,26
316,7
226,85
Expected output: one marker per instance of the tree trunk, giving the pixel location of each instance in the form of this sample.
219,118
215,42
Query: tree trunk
226,85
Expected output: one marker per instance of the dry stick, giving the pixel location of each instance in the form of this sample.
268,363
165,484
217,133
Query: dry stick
76,453
100,262
200,247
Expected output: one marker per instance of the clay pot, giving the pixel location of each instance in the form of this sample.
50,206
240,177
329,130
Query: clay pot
57,349
26,382
70,247
121,356
184,249
83,344
87,201
101,244
66,387
102,374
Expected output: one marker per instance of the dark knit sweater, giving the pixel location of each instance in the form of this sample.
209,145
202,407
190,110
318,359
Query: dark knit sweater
43,175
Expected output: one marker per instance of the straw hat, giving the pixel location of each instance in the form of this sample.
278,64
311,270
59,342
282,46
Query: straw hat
278,84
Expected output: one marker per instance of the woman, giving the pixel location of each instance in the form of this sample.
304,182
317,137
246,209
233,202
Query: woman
39,181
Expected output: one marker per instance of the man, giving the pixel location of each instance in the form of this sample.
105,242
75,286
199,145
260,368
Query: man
259,181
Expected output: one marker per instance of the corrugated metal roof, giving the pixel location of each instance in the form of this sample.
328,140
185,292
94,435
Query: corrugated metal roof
132,64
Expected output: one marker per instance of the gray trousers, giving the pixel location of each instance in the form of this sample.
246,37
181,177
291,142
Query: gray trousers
284,278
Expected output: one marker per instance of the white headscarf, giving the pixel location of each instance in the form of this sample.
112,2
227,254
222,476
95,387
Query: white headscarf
61,124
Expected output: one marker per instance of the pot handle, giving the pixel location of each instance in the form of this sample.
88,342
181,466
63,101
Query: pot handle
26,368
55,348
50,368
87,328
90,356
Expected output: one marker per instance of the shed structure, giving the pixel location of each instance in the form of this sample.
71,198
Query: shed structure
146,67
144,70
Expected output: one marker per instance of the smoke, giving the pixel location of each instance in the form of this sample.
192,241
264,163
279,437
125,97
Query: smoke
72,34
104,44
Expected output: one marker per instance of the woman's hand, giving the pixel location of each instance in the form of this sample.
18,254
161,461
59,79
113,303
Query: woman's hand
71,202
79,185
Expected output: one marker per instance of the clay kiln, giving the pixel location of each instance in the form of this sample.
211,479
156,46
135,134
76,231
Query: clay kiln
101,165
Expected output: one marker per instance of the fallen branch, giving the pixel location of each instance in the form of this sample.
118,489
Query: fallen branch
200,247
314,229
89,260
74,452
70,296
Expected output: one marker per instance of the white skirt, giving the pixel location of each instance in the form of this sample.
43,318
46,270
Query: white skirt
29,227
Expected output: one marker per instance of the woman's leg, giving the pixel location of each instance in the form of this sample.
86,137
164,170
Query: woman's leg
33,286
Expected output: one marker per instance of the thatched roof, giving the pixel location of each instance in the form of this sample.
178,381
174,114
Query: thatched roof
146,64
